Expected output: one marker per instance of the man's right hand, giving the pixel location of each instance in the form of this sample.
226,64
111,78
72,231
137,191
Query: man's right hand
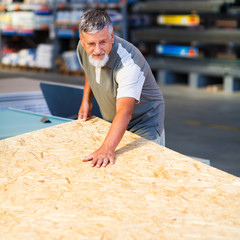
85,111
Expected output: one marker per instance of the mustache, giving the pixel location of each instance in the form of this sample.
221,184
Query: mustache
98,54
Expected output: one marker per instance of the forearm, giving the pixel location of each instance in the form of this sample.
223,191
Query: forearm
87,92
117,130
86,104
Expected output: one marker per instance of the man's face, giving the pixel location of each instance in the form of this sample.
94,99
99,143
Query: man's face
97,44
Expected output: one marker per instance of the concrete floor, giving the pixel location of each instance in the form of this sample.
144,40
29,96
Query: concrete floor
204,125
198,123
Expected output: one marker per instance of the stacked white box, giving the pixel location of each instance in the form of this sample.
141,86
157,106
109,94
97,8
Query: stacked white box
27,57
71,60
44,55
22,20
41,21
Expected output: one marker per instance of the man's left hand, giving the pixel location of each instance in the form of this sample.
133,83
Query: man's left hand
101,157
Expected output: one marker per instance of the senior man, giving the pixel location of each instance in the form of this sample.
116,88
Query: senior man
119,77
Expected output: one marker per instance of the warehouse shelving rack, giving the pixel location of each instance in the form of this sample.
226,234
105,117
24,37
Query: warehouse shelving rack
32,35
55,6
180,6
198,71
207,36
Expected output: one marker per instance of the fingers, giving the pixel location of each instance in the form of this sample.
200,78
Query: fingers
82,116
99,161
105,162
112,160
85,111
89,158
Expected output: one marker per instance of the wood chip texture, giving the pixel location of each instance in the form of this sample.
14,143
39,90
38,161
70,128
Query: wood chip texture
151,192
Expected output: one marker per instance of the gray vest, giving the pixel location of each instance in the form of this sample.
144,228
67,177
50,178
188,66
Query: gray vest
148,114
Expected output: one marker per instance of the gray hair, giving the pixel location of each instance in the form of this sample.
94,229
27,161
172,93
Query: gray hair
93,21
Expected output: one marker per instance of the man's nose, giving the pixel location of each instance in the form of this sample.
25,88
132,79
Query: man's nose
97,49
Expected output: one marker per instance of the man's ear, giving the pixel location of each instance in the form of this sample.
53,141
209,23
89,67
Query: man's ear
81,39
112,36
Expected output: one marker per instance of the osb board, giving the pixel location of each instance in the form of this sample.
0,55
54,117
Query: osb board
152,192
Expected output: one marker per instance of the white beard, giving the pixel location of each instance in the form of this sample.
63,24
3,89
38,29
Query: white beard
98,63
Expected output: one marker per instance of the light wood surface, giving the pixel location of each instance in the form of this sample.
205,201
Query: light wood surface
152,192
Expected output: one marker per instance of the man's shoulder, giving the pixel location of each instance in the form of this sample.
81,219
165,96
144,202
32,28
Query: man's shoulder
124,43
128,52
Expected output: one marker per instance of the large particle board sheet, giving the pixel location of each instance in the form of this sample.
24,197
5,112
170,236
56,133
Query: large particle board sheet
152,192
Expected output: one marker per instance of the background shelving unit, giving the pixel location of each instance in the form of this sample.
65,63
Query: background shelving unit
24,27
60,32
211,46
215,40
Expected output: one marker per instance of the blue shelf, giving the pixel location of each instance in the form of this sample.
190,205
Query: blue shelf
17,33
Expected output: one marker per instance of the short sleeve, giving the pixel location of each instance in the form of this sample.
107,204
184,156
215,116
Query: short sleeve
130,81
